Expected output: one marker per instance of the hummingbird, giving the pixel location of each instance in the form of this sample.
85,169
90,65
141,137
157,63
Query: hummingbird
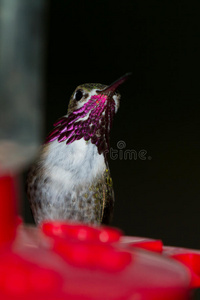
70,179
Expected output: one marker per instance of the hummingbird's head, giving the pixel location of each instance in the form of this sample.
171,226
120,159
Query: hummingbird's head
90,95
90,114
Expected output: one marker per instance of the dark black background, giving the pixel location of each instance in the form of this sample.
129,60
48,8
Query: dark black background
158,41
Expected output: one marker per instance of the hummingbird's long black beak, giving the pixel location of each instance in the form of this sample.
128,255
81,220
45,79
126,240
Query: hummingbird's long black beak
113,86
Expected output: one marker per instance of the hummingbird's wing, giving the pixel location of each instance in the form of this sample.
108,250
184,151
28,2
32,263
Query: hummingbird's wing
108,198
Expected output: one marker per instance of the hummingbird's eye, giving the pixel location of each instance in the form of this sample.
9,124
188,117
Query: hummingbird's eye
78,95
